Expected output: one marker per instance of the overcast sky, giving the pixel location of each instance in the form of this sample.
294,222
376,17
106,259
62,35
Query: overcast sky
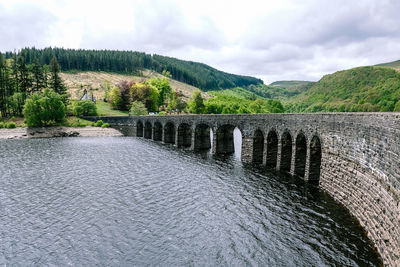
271,40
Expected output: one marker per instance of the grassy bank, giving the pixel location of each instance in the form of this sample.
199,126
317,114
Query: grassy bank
104,109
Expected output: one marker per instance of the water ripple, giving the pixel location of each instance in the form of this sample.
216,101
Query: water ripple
126,201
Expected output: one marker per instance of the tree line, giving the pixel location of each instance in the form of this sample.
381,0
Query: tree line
156,95
20,78
193,73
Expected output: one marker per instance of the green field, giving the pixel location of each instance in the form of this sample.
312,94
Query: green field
104,109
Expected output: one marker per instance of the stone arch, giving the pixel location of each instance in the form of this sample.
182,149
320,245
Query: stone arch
258,147
169,133
202,140
224,139
147,130
272,149
286,152
315,160
300,155
184,135
157,135
139,129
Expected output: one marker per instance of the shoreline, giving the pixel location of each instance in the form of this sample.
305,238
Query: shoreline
57,131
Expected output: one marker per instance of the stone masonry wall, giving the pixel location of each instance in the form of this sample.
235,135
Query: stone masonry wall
360,164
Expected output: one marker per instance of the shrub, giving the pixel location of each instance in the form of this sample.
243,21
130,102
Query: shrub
105,125
43,109
147,94
79,123
114,98
138,108
2,125
397,107
84,108
11,125
119,97
98,123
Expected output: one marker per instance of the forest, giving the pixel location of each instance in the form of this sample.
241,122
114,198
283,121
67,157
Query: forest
25,84
130,62
20,79
361,89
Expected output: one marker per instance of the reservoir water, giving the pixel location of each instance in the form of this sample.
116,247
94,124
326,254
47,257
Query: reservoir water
122,201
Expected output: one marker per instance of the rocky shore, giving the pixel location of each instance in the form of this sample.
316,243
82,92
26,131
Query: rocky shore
59,131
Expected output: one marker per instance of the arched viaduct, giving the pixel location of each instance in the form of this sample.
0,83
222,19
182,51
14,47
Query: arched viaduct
355,157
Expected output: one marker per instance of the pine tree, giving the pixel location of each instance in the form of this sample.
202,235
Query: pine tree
3,85
45,69
56,82
14,83
25,81
38,76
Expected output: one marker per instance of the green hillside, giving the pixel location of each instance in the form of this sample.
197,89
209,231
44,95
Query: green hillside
201,75
239,100
276,92
130,62
395,64
362,89
293,85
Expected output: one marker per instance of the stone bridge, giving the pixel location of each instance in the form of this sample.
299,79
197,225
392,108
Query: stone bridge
355,157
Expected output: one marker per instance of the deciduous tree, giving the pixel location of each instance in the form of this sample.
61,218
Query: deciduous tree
196,103
43,109
138,108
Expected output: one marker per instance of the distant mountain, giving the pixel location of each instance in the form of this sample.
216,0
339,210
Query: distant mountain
130,62
358,89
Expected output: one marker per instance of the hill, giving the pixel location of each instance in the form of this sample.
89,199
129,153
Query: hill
293,85
132,63
393,65
96,82
358,89
278,92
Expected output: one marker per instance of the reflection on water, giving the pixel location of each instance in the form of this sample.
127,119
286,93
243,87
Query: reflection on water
130,201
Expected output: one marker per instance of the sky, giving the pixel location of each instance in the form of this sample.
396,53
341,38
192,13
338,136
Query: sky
271,40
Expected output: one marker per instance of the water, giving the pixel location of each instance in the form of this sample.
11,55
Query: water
123,201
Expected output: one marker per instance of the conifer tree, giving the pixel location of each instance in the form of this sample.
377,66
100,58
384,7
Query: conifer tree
45,69
38,76
55,80
3,85
25,81
14,83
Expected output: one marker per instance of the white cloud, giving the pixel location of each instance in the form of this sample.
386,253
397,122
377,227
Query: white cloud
273,40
